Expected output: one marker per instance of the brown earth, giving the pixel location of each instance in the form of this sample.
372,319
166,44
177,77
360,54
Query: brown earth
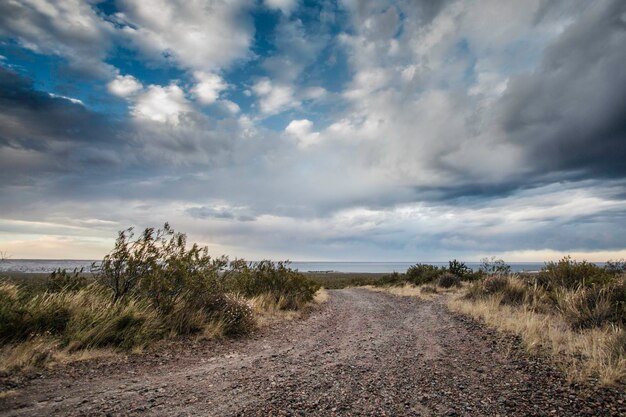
363,353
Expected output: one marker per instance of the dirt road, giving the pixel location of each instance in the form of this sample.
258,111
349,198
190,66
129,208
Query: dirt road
363,353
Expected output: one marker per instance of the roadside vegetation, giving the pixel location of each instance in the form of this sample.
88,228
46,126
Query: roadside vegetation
150,287
573,311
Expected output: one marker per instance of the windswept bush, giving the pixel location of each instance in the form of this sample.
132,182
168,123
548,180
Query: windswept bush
147,288
22,316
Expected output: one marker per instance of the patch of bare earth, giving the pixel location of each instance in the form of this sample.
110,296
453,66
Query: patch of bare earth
362,353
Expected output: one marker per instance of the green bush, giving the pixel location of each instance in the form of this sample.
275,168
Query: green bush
288,287
448,280
460,270
420,274
571,274
392,279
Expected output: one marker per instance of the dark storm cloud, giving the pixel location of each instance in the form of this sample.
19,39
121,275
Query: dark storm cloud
43,134
570,114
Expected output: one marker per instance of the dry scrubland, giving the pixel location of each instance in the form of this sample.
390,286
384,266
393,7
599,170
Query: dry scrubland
149,288
152,288
574,312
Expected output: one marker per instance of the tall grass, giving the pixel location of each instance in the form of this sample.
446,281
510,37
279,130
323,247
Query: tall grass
574,310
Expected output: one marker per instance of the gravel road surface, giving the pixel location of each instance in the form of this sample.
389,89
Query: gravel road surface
363,353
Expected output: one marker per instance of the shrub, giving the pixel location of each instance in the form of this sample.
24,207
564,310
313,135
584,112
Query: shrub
22,316
494,284
428,289
571,274
235,315
447,280
460,270
420,274
98,321
513,293
616,267
289,287
61,280
493,266
392,279
594,306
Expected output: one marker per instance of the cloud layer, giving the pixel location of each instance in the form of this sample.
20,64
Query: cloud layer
341,130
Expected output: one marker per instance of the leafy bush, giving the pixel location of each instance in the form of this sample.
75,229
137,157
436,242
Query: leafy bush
61,280
419,274
571,274
448,280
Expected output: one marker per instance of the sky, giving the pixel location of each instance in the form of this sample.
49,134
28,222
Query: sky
316,130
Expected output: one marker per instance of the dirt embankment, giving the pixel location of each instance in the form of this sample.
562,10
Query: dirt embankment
363,353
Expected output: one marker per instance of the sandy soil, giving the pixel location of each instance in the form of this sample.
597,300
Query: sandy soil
363,353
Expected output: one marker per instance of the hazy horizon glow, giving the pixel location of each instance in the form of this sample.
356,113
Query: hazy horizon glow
316,130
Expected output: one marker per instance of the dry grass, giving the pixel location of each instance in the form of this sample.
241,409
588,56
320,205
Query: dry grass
43,351
8,394
581,354
321,296
425,292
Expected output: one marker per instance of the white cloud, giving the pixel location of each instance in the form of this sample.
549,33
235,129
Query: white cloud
209,87
124,86
274,98
67,28
313,93
161,104
231,106
285,6
73,100
302,131
203,35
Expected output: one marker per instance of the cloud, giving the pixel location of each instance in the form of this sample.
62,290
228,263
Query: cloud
203,35
161,104
67,28
302,131
274,98
232,107
208,88
285,6
437,129
569,113
124,86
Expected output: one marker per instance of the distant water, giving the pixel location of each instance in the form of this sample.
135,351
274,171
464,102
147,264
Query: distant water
47,266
